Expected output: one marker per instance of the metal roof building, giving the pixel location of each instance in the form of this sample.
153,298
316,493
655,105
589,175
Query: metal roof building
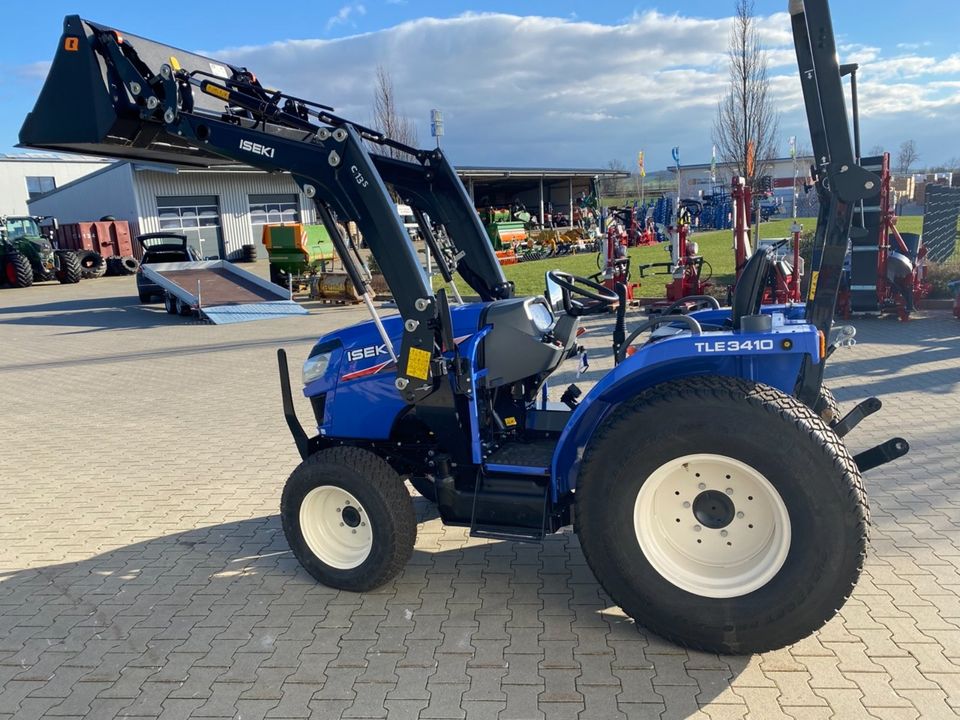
536,188
28,175
221,209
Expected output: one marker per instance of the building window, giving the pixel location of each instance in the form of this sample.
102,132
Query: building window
272,210
197,217
37,186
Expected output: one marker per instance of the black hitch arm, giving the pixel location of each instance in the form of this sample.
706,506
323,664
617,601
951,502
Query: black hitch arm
853,418
881,454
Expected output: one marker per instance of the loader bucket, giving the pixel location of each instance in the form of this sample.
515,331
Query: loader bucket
75,111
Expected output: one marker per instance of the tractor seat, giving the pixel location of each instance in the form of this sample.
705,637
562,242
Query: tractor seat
748,293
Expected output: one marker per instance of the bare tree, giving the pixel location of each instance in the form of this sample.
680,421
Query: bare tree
387,117
876,150
611,185
747,124
907,156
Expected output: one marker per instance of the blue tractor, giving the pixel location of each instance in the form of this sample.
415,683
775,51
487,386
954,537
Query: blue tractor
705,475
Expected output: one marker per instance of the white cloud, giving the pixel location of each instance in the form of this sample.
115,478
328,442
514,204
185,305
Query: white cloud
344,14
559,91
34,71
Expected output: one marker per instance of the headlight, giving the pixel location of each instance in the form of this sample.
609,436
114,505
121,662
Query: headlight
315,367
541,316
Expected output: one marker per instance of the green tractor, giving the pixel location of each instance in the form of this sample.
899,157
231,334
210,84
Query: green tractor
28,256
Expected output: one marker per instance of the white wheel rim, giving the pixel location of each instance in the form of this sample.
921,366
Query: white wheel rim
741,546
336,527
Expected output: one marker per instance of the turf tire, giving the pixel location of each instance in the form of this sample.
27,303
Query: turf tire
776,435
381,492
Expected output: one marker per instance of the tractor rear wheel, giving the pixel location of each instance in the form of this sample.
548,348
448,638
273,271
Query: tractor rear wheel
730,542
348,518
17,271
68,267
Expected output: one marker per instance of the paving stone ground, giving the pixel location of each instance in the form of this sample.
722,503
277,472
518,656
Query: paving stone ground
144,574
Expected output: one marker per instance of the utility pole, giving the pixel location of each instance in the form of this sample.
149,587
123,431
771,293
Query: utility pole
436,125
641,174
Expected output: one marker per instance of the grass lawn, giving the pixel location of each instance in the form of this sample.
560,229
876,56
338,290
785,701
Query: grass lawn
715,246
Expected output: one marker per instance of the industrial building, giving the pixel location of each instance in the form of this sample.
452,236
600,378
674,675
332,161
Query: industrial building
25,176
222,209
697,181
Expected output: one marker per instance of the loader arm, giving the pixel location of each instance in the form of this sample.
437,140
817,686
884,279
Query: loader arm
841,182
435,188
113,94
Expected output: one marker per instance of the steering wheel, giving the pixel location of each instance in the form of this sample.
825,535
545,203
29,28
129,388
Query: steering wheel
697,300
597,298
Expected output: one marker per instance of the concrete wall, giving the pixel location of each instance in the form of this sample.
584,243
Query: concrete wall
15,170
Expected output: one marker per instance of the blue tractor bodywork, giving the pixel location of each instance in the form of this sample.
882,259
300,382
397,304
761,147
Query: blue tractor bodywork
358,401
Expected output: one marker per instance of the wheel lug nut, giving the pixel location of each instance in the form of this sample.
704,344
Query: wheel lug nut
354,532
338,509
363,524
686,504
341,524
723,533
697,528
729,491
740,515
702,486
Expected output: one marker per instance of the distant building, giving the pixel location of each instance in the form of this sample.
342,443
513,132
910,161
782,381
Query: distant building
27,176
696,181
222,209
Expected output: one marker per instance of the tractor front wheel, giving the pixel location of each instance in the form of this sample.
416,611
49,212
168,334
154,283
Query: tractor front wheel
17,271
730,541
348,518
827,407
69,270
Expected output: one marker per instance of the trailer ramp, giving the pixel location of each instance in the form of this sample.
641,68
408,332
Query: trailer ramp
221,292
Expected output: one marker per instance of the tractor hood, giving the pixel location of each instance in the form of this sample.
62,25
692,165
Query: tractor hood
75,111
358,351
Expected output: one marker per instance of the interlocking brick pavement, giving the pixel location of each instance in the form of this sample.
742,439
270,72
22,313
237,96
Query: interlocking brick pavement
143,572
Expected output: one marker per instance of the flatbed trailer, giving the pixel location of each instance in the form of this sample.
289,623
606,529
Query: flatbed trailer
220,292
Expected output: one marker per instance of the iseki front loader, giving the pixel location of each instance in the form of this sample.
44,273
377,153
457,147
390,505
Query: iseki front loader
739,535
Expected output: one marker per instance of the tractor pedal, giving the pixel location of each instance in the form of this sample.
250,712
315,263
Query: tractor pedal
853,418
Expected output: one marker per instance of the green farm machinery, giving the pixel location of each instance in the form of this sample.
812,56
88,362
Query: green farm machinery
28,256
296,250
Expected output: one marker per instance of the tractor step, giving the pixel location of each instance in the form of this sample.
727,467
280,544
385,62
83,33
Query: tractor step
522,458
510,504
510,534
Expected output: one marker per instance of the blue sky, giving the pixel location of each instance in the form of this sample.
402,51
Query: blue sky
534,83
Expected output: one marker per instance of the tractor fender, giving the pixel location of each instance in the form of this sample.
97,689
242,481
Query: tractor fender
777,363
